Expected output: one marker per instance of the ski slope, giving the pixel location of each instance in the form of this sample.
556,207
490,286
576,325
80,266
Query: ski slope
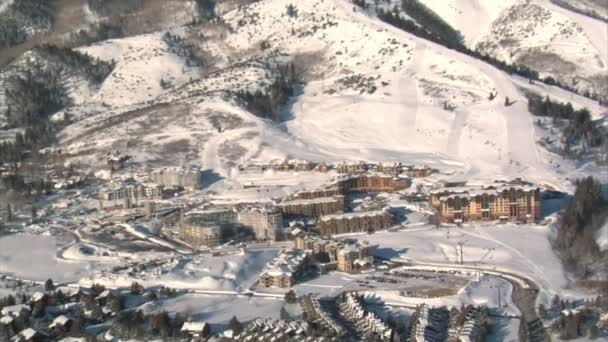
372,92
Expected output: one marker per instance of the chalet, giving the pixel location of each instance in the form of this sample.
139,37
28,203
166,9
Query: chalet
61,324
30,335
196,330
79,295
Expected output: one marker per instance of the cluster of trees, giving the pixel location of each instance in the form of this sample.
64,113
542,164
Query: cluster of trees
206,8
21,15
437,26
430,26
269,102
33,138
113,7
292,11
94,69
133,324
573,324
34,94
97,32
18,184
584,216
180,47
580,126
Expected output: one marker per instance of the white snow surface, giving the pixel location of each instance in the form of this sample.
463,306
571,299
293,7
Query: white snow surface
522,249
601,237
403,119
34,257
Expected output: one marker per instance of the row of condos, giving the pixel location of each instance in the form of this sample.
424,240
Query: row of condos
200,234
373,183
178,177
355,222
393,168
344,256
356,183
265,222
284,270
314,207
500,201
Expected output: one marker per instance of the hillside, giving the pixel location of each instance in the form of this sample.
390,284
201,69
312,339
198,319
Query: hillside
366,90
556,41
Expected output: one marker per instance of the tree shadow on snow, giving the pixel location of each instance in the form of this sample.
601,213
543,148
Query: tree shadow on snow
387,252
209,177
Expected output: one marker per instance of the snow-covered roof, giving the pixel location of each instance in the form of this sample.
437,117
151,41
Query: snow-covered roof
15,310
59,321
285,263
354,215
194,326
37,296
309,201
6,320
28,333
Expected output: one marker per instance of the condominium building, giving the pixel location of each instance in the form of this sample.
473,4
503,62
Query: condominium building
505,201
199,234
267,223
187,178
373,183
366,221
127,195
354,257
351,167
314,207
284,270
318,193
344,256
222,216
133,191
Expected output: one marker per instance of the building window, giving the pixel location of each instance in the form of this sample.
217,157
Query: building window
513,210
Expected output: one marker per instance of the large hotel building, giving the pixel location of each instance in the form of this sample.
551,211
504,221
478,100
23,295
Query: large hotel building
516,201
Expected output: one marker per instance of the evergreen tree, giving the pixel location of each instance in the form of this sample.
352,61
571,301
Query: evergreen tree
235,325
292,11
285,315
48,285
290,297
78,324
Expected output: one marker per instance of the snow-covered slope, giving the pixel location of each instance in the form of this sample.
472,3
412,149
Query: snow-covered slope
557,42
372,92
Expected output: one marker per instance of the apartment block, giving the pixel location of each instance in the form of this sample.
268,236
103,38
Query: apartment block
366,221
267,223
498,201
314,207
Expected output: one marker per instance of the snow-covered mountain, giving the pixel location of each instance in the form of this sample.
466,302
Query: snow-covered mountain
370,91
556,41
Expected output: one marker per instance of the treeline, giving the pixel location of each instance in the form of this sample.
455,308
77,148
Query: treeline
19,184
94,69
22,16
268,103
180,47
431,27
449,38
106,8
206,8
580,125
434,23
580,223
591,13
33,138
97,32
33,94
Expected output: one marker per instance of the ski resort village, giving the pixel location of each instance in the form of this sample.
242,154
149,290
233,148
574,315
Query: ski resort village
317,170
